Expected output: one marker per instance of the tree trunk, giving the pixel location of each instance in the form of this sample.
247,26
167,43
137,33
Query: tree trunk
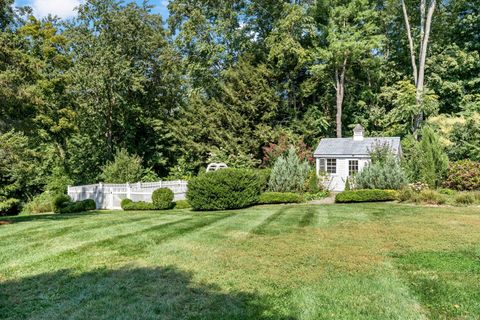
419,74
340,92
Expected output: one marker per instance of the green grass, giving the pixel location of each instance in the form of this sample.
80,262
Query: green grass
359,261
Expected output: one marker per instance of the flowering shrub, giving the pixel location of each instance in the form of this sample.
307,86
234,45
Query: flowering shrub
463,175
418,186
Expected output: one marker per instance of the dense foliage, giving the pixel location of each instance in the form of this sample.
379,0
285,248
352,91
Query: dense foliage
78,206
224,189
162,199
463,175
119,95
383,172
366,195
289,173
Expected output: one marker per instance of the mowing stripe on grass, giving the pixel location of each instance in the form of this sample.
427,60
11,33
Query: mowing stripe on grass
38,239
262,228
74,246
308,217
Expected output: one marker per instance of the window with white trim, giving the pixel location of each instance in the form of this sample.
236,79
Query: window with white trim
331,166
352,167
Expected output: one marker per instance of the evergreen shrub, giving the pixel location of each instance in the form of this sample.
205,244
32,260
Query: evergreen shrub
78,206
224,189
59,201
289,173
366,195
181,204
162,199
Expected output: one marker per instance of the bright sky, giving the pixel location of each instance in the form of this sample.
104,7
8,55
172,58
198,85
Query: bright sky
65,8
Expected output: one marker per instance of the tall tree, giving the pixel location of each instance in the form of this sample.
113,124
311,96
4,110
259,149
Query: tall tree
350,35
419,70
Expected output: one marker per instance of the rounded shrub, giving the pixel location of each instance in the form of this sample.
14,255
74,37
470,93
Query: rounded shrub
366,195
280,197
162,198
224,189
125,202
60,201
182,204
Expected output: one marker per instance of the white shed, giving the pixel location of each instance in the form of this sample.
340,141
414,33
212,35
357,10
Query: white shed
343,157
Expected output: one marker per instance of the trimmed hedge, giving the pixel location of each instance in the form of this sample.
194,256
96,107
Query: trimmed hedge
365,195
225,189
137,206
181,204
280,197
79,206
162,198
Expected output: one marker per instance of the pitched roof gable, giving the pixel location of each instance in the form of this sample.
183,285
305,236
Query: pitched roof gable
347,147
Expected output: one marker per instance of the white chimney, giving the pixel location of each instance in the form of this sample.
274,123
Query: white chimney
358,133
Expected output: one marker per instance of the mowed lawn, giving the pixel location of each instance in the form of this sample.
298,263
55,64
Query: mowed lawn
369,261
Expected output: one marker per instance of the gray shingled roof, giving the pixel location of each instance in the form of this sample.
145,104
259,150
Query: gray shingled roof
347,147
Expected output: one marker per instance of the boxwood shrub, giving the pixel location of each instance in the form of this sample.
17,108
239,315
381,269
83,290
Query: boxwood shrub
162,199
78,206
59,201
138,206
280,197
224,189
365,195
182,204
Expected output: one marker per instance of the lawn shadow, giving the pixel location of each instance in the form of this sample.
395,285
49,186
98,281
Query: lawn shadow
127,293
50,216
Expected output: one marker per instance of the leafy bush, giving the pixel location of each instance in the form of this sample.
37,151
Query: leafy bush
384,172
59,201
39,204
138,206
316,196
9,207
224,189
162,198
366,195
78,206
430,197
447,192
289,173
181,204
125,202
464,198
406,194
314,183
126,168
280,197
264,176
463,175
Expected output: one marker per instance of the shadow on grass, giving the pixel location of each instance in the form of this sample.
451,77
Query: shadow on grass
51,216
137,293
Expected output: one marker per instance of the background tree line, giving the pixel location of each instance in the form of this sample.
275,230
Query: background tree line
225,81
